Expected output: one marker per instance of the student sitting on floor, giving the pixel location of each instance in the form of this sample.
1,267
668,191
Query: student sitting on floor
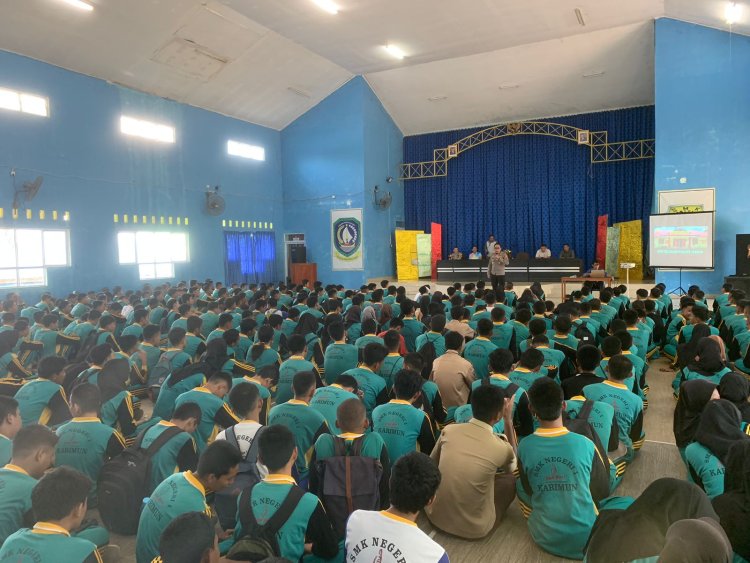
558,471
215,413
453,375
560,337
117,409
478,350
339,356
394,361
628,406
189,538
150,345
33,454
414,482
732,505
681,319
10,424
308,528
327,400
185,492
434,336
294,364
403,427
305,423
85,443
59,504
262,354
709,364
501,364
474,495
179,453
351,425
371,385
587,360
718,430
528,369
42,400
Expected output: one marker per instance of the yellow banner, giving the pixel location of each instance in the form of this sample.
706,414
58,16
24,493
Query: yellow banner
631,248
406,255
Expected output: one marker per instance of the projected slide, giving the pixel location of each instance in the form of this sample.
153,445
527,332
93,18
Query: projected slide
682,240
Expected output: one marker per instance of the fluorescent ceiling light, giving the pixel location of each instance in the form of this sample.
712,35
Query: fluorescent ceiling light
508,86
147,129
437,98
395,51
732,13
327,5
299,92
80,4
235,148
594,74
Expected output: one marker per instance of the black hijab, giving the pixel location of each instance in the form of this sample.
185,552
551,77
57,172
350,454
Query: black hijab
694,396
640,530
735,388
696,540
733,507
307,324
687,351
720,428
212,361
8,340
113,378
709,360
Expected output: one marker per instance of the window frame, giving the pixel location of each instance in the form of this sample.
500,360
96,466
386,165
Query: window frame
155,263
43,266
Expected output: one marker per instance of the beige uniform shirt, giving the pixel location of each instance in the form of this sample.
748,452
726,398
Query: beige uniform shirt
453,375
468,456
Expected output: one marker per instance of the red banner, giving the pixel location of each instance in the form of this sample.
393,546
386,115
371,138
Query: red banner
436,230
601,239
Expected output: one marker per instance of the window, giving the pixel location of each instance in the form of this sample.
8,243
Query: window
155,252
147,129
23,102
235,148
25,255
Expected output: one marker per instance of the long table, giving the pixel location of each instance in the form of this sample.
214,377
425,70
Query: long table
519,270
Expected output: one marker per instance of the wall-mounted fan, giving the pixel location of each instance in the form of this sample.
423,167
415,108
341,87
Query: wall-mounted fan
382,200
215,203
27,192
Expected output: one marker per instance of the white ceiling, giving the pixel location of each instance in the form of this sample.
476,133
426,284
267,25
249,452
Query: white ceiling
246,58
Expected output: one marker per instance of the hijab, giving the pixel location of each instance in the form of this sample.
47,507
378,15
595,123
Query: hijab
735,388
353,316
308,324
687,351
386,314
698,540
733,507
694,396
720,428
527,297
113,379
709,358
8,340
640,530
212,361
369,314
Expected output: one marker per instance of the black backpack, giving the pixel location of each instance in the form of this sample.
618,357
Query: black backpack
348,482
581,425
124,481
584,335
225,501
260,542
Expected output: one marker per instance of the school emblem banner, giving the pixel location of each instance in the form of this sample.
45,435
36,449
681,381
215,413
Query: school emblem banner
346,239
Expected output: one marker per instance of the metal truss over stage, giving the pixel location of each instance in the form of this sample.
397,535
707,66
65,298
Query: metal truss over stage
601,150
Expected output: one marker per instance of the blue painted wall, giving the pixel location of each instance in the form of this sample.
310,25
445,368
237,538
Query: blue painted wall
703,130
333,156
93,171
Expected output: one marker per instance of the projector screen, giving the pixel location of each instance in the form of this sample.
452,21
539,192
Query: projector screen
682,240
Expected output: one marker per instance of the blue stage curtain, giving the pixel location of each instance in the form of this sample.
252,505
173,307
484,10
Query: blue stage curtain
249,257
528,190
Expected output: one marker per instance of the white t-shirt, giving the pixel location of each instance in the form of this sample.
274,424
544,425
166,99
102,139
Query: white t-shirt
245,432
544,253
381,536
